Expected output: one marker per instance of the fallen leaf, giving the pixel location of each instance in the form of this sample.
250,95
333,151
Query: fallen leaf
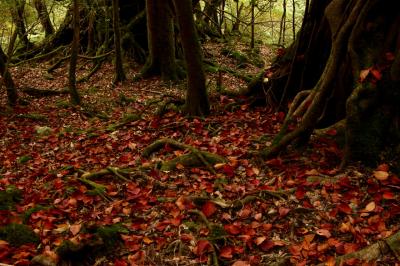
209,209
259,240
323,232
226,252
75,228
370,207
232,229
381,175
241,263
364,74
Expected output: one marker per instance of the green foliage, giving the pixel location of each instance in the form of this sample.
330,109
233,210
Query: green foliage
9,197
18,234
24,159
110,234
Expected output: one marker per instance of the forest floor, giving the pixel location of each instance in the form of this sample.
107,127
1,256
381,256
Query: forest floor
297,208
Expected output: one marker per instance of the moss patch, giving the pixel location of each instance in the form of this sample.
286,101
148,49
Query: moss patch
9,197
18,234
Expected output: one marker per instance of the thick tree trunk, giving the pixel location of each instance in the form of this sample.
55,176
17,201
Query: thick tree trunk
75,98
341,64
119,69
7,80
160,29
196,97
44,18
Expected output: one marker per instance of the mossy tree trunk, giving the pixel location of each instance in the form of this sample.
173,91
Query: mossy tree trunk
118,65
43,16
17,12
196,96
7,80
344,64
161,44
75,98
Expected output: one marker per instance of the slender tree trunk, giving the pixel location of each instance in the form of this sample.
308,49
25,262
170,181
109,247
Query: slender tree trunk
44,18
7,80
91,31
253,6
75,98
17,12
119,69
196,97
294,19
282,30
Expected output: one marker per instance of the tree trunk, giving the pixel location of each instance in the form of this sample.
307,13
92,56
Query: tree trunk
196,96
7,80
344,64
75,98
119,69
44,18
160,29
17,12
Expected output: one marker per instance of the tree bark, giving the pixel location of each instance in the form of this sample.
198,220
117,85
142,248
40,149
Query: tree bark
7,80
119,69
196,96
352,81
17,12
75,98
44,18
160,30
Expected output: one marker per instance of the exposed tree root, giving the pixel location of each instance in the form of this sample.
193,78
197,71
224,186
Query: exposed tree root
313,105
195,158
38,93
374,251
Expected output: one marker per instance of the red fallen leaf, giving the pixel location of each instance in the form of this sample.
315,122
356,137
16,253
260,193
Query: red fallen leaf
186,237
376,73
383,167
283,211
300,192
209,209
226,252
350,248
203,246
267,245
331,132
232,229
344,208
388,195
323,232
228,170
120,262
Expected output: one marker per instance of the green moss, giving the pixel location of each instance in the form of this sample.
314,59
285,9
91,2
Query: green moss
111,234
34,116
9,197
18,234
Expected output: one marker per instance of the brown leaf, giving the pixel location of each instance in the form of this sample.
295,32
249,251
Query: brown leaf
370,207
323,232
241,263
381,175
364,74
75,228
